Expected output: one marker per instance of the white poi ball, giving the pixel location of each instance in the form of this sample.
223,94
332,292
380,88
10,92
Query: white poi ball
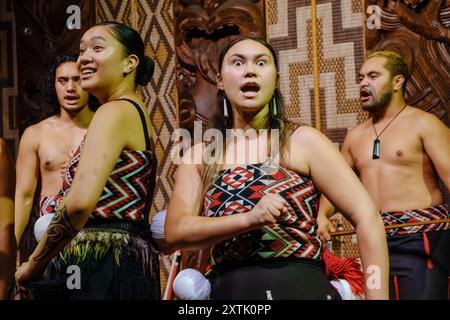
157,225
344,289
41,225
191,284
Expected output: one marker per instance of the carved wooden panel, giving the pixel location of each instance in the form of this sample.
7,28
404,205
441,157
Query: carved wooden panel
8,76
420,31
41,35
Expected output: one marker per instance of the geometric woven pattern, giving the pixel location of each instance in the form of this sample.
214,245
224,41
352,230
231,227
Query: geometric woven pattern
340,54
49,204
128,188
8,76
238,190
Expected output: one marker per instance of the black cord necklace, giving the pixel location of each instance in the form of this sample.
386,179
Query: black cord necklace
376,153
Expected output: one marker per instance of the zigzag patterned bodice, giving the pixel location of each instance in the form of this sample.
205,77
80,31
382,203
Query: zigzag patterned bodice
237,190
129,186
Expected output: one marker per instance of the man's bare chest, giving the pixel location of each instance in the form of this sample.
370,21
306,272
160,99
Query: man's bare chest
56,149
391,149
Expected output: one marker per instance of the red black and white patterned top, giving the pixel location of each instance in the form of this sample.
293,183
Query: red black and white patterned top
237,190
129,189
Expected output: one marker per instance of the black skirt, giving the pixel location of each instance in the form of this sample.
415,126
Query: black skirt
113,260
273,280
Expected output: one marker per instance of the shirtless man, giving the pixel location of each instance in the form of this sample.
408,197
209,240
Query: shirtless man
46,146
398,154
7,241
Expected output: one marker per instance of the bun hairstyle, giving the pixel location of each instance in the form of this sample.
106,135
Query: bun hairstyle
132,43
145,73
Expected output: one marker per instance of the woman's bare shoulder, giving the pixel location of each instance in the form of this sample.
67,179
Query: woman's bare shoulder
306,135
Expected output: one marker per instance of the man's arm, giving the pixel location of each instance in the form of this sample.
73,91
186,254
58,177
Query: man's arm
7,242
27,172
435,136
326,209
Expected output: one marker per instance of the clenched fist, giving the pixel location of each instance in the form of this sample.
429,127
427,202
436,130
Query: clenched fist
268,210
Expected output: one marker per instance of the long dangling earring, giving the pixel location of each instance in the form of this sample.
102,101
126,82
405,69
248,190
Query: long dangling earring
274,107
225,107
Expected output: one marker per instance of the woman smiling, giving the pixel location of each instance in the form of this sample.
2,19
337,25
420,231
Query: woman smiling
102,224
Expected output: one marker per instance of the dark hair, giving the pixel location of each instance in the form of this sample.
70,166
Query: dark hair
49,85
395,64
50,92
132,43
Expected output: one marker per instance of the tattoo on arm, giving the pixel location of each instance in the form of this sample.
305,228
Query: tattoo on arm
59,229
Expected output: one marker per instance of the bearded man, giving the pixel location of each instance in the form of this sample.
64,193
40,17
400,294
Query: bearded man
399,155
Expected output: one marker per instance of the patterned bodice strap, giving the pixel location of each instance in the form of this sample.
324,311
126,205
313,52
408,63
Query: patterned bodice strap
148,144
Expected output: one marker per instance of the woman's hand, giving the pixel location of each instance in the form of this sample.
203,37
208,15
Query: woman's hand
268,210
27,271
